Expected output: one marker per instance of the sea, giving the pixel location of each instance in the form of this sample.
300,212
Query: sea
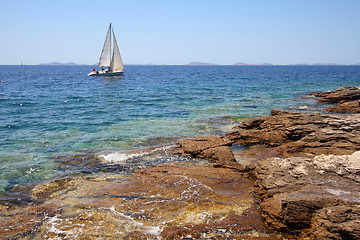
49,113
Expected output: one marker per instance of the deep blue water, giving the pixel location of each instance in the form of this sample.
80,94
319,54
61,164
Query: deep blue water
47,111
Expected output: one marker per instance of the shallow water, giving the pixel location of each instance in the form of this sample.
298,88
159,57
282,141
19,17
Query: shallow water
172,201
49,113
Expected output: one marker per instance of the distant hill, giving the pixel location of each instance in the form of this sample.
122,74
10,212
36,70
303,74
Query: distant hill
59,64
201,63
246,64
326,64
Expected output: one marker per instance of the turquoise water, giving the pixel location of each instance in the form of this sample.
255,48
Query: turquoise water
49,111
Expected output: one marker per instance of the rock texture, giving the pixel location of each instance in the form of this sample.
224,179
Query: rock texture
314,197
160,202
308,174
216,149
345,107
346,98
291,132
341,94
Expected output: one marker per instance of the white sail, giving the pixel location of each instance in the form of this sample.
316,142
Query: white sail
116,64
105,56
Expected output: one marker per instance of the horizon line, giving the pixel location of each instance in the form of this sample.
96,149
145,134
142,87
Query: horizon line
187,64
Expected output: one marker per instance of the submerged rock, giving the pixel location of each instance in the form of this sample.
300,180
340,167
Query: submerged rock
160,202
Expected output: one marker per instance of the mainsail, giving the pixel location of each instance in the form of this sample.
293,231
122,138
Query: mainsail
105,56
116,61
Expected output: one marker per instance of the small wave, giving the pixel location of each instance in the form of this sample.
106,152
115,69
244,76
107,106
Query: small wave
303,107
120,157
131,224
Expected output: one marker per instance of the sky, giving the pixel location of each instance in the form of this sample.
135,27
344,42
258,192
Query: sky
180,32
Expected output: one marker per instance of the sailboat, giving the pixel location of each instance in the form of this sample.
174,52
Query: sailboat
114,64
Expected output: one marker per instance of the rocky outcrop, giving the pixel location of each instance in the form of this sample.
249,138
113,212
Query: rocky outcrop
216,149
346,94
346,98
316,196
345,107
291,132
313,197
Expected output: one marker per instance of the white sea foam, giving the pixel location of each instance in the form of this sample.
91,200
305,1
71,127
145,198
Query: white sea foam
131,224
55,223
119,157
303,107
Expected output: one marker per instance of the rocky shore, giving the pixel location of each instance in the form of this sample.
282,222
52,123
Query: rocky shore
307,177
284,176
346,98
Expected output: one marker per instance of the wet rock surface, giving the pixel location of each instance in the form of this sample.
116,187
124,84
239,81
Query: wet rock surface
160,202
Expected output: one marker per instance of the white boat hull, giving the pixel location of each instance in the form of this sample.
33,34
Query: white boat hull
105,73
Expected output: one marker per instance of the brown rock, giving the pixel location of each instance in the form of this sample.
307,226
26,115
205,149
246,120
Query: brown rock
195,146
337,222
291,132
346,98
341,94
19,222
345,107
214,148
221,157
316,197
160,202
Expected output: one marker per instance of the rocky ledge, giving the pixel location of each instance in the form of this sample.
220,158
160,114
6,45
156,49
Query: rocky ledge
290,132
315,197
346,98
307,170
303,188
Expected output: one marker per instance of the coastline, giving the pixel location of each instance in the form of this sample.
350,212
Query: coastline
307,176
287,152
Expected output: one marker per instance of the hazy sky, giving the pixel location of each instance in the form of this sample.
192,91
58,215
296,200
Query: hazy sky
182,31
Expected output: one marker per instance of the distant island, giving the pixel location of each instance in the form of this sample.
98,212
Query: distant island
245,64
61,64
207,64
200,63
